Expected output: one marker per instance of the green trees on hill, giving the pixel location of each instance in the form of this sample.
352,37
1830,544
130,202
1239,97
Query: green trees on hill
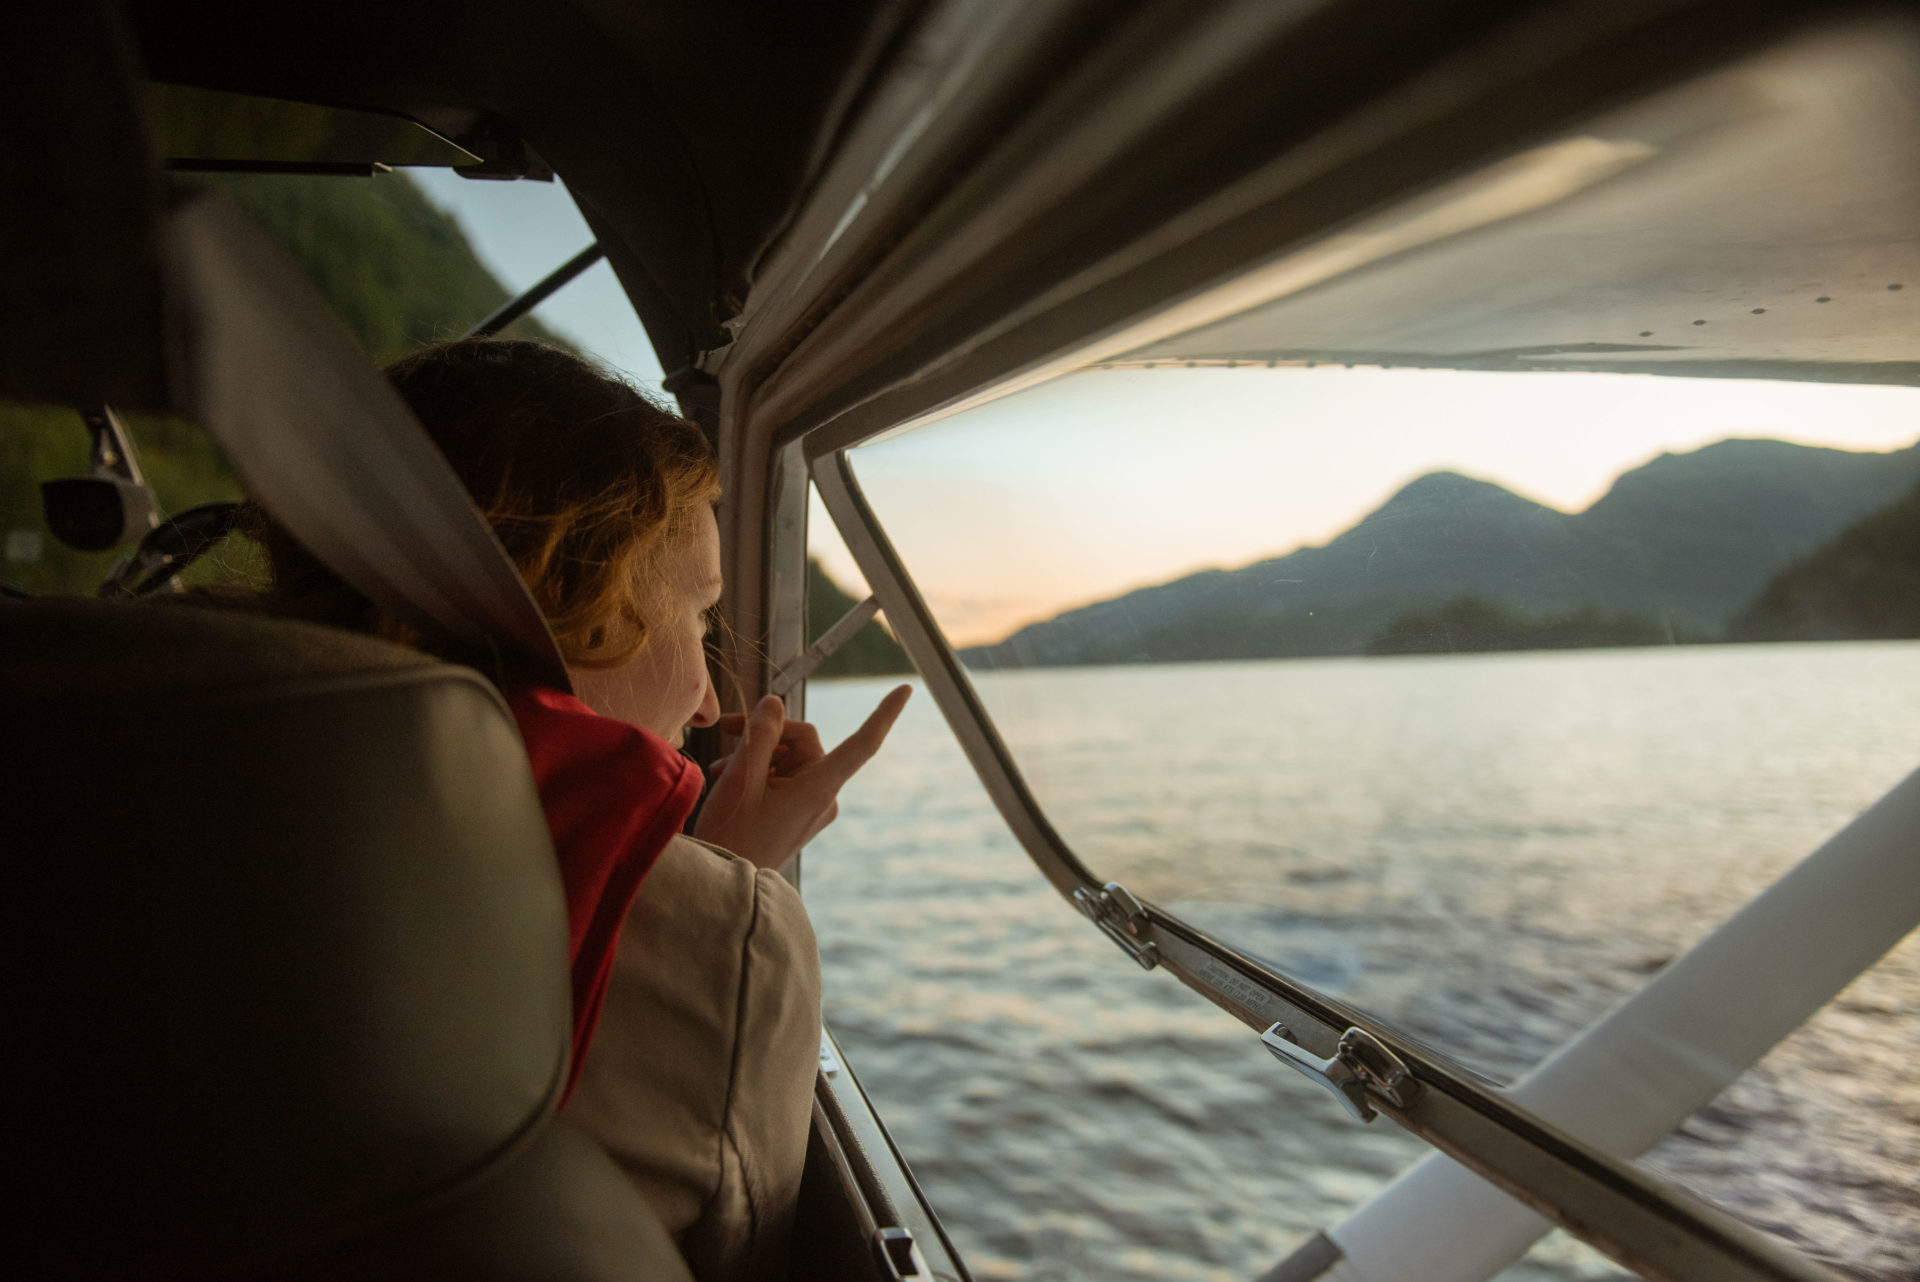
1861,586
1864,585
398,272
872,651
1469,624
1675,552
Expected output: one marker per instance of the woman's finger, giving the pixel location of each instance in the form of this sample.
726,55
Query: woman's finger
762,736
858,748
792,732
802,743
820,821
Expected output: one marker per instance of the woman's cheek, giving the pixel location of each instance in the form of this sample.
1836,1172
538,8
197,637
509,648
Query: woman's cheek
690,675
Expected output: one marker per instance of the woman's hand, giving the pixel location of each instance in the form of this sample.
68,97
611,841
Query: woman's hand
778,788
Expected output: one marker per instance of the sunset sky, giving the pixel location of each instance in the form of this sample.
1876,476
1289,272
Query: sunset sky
1111,479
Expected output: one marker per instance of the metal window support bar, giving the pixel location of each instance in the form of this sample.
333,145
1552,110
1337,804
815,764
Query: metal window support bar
554,281
810,659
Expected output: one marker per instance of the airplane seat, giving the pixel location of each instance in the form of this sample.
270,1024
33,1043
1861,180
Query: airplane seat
287,991
287,984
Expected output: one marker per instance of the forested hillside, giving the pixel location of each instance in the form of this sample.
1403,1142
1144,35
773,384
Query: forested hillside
397,271
1865,585
1470,625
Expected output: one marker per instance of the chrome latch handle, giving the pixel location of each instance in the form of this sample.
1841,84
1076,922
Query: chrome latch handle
1339,1078
1122,918
1360,1065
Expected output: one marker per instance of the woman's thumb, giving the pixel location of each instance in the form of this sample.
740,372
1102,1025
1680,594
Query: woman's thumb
755,754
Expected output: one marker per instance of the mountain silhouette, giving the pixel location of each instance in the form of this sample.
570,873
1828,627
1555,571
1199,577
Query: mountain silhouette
1685,540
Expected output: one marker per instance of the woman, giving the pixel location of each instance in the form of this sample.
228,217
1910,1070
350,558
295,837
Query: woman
604,502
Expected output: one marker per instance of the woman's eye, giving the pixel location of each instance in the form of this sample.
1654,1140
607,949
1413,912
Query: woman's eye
710,620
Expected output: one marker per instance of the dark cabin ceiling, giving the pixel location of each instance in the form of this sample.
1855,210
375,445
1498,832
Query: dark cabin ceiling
688,129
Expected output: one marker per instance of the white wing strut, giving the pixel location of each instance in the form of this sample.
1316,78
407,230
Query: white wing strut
1629,1080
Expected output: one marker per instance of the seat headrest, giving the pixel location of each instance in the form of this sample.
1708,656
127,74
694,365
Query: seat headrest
288,945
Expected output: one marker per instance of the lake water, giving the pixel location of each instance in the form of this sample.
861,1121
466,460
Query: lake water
1490,850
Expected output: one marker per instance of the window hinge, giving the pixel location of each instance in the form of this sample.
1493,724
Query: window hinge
1114,910
1360,1065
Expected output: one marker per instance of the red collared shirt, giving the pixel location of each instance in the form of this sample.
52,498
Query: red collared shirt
614,794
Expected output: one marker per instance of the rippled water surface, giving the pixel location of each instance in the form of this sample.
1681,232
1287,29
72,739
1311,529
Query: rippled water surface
1491,850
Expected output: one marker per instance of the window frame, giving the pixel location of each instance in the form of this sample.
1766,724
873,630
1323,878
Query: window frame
916,282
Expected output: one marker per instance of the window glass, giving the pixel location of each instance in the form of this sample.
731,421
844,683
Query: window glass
1470,613
521,231
419,256
1488,757
1068,1118
1820,1141
403,259
398,268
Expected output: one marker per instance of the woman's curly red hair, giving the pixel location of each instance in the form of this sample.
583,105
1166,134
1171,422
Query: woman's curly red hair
586,482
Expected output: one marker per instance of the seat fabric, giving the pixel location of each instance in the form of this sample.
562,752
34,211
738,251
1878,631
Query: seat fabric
287,991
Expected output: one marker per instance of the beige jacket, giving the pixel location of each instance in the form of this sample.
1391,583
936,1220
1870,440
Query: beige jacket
700,1077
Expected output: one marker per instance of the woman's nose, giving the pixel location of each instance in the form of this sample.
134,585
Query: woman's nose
709,710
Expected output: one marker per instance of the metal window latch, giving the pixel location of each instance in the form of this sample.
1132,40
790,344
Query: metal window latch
1115,910
1360,1065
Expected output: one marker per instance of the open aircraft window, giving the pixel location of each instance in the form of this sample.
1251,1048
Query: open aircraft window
1467,616
1469,759
522,232
403,259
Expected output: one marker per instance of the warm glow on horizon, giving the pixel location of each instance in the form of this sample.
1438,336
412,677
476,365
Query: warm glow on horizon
1108,480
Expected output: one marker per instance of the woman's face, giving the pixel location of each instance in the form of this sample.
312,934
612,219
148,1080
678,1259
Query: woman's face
666,687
